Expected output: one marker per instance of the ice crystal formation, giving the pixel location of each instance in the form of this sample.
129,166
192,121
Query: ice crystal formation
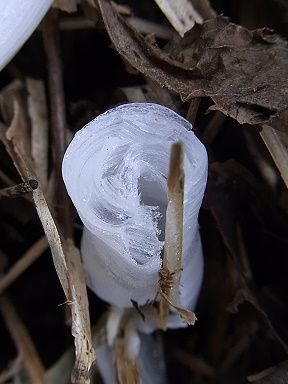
115,171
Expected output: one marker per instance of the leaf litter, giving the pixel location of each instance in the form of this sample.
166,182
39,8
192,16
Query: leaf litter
244,72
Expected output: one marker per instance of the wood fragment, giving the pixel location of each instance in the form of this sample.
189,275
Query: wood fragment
69,6
127,371
71,275
51,39
37,109
193,109
261,158
277,144
31,255
181,14
149,27
144,26
31,360
205,9
170,272
14,369
19,189
194,363
126,368
134,94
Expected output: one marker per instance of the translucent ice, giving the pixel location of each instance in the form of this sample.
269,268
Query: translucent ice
115,171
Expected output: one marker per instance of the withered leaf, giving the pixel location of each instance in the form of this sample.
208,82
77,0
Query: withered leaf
244,72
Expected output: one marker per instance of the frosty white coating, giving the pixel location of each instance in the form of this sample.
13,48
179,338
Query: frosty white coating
18,19
115,171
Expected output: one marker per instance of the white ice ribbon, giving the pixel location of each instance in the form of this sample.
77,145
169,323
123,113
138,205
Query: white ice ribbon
115,171
18,19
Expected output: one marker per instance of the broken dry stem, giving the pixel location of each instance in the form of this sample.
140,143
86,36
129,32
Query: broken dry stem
127,371
19,189
126,368
277,144
13,369
172,261
51,37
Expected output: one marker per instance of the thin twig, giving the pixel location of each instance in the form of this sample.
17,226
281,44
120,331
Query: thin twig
142,26
194,363
193,109
172,260
277,144
12,370
37,109
31,360
25,261
51,38
19,189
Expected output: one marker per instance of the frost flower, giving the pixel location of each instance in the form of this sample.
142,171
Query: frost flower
115,171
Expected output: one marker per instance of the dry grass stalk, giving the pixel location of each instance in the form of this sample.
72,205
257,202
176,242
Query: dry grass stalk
170,273
12,371
37,109
126,367
277,144
51,37
68,265
32,254
26,348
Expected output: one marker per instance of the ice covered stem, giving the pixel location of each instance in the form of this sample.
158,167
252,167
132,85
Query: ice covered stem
18,19
115,171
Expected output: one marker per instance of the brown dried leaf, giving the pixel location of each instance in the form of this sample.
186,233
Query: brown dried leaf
243,71
68,264
188,316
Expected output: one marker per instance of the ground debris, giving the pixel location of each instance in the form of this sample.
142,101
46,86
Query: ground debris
243,71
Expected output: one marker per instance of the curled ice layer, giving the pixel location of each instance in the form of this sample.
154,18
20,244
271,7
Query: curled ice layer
115,171
18,19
